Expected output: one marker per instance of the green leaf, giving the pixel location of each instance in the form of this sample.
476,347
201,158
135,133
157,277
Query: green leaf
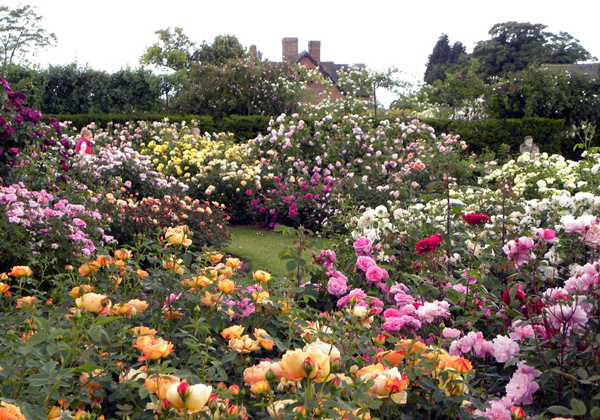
43,323
105,320
595,413
87,367
578,407
49,367
38,338
291,265
558,409
279,228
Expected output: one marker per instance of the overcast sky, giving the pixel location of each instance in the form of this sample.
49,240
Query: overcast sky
111,35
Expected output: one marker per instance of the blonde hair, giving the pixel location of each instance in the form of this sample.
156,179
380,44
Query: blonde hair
85,131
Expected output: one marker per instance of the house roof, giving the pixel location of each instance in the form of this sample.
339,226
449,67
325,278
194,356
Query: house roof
329,68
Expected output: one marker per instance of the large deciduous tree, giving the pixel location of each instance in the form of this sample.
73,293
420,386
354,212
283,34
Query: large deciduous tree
223,49
173,51
516,46
21,34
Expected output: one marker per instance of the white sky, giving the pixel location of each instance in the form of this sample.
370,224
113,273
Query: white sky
110,35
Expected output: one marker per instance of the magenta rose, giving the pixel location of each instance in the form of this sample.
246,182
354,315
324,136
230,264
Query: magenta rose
476,219
429,244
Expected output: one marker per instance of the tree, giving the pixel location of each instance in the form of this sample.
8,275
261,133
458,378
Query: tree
516,46
173,51
445,59
21,33
223,49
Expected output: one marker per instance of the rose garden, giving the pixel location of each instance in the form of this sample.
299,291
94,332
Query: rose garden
424,280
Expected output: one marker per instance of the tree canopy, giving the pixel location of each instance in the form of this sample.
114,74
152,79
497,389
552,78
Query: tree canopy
173,51
446,59
21,33
516,46
223,49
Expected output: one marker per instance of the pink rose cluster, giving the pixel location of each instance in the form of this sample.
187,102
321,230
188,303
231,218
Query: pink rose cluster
337,284
362,246
357,297
517,250
375,275
586,226
411,317
326,258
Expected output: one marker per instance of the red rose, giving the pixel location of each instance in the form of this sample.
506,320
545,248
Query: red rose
476,219
429,244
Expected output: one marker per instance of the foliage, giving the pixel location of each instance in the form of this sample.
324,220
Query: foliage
223,49
445,59
20,34
491,134
546,94
172,52
516,46
244,86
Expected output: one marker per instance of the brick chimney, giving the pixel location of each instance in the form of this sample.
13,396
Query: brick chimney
253,51
314,49
290,47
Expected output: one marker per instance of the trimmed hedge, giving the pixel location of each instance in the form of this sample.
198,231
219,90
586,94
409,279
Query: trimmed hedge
550,135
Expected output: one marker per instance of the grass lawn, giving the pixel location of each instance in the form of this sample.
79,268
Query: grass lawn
261,249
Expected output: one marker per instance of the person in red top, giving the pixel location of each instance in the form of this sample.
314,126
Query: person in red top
84,145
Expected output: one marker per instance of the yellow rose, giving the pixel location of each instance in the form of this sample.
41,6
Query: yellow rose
178,236
226,286
261,276
195,399
94,302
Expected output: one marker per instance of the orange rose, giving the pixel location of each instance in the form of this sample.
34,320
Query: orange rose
10,412
143,331
21,271
142,273
95,303
89,268
231,332
233,263
298,364
175,266
257,373
123,309
77,291
26,302
261,336
226,286
123,254
160,385
260,387
153,347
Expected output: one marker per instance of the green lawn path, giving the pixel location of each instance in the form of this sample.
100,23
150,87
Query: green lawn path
261,249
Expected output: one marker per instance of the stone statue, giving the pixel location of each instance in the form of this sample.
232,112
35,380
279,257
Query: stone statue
529,146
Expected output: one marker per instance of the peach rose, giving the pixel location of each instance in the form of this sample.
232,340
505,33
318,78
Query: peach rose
160,385
233,262
153,347
139,305
89,268
26,302
226,286
243,344
79,290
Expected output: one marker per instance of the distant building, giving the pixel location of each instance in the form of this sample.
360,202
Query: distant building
311,59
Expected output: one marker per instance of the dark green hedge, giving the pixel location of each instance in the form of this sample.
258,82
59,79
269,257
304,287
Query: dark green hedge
243,127
550,135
